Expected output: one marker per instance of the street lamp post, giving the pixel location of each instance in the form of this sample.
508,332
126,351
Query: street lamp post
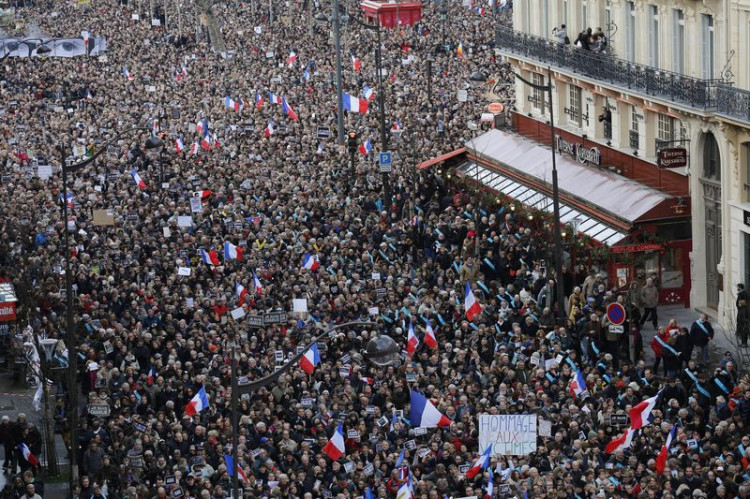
443,19
555,190
381,351
48,346
381,106
339,95
72,334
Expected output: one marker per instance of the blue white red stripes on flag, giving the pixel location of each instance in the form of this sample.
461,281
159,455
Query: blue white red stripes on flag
232,252
412,342
482,463
335,447
368,93
288,110
354,104
309,262
641,414
257,286
429,336
137,179
365,148
311,359
578,384
273,98
179,145
198,403
424,414
472,308
661,458
210,257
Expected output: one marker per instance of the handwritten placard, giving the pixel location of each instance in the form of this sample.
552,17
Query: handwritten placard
508,434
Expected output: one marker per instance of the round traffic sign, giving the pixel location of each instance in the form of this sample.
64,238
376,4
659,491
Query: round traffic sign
616,313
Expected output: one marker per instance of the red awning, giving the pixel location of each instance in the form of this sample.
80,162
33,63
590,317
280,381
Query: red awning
434,161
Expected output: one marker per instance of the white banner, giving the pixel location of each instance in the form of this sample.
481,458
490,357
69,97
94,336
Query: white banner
61,47
509,435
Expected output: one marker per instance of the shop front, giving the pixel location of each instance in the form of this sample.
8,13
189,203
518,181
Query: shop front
640,231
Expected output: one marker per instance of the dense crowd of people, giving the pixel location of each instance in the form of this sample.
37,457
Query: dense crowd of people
158,291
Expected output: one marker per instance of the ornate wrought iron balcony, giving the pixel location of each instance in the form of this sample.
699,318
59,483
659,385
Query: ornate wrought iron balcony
679,88
733,102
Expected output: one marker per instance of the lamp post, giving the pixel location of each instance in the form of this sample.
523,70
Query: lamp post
381,351
48,346
339,95
381,107
555,190
72,334
443,19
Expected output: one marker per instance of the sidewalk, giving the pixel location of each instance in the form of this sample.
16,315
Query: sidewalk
685,317
15,399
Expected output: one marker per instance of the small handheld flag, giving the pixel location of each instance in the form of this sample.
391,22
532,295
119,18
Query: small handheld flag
429,336
27,455
335,448
472,308
198,403
309,262
258,287
365,148
311,359
412,342
424,414
137,179
481,463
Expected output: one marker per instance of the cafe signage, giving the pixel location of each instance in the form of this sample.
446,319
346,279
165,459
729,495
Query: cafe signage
673,157
578,151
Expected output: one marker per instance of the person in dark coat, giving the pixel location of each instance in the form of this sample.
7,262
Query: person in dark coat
743,320
684,346
701,332
6,440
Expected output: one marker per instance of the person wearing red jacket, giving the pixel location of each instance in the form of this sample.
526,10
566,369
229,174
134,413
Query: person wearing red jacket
657,346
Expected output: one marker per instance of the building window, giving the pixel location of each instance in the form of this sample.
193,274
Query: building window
678,41
707,46
630,32
538,97
653,36
574,109
711,162
584,14
745,158
545,19
668,131
634,136
565,12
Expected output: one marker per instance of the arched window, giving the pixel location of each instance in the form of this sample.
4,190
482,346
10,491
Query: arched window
711,160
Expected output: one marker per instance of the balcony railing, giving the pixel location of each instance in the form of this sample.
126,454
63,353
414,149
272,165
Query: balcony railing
733,102
676,87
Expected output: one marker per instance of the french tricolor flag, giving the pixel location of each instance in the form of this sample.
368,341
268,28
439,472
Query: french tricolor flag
367,380
424,414
88,95
198,403
354,104
311,359
335,448
429,336
257,285
126,73
179,145
258,100
490,488
206,141
365,148
309,262
70,199
661,459
640,415
240,292
578,384
356,64
273,98
368,93
194,148
137,179
232,252
412,342
471,305
229,103
481,464
620,443
210,257
288,109
202,126
292,58
151,376
27,455
270,129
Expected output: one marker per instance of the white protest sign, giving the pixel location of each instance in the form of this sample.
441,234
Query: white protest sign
299,305
44,171
184,221
238,313
545,428
195,205
184,271
508,434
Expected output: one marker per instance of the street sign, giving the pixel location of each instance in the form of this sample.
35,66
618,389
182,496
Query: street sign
616,329
616,313
385,162
673,157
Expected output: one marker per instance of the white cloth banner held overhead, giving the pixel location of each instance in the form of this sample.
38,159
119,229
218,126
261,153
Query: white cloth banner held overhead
508,434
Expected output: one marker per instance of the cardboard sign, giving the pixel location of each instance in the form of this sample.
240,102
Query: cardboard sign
508,434
104,217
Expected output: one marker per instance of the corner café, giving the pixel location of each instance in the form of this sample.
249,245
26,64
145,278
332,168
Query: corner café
640,221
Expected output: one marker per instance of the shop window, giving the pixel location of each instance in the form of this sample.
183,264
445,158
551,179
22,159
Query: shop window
672,264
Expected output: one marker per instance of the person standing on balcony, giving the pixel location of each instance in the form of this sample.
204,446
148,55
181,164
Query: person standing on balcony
561,35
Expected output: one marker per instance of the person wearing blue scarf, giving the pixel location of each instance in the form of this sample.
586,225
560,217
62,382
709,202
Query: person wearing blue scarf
701,333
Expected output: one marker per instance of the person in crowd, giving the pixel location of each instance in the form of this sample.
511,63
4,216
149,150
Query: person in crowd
743,319
650,300
701,334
